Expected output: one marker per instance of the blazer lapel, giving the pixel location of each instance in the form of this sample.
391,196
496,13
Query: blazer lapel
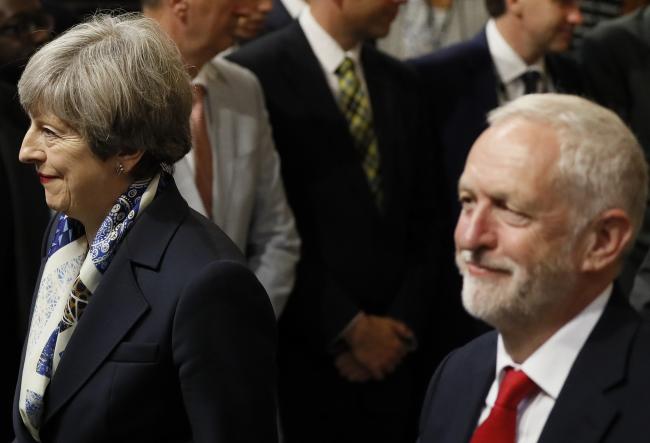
482,376
118,303
487,82
599,369
223,135
384,103
304,73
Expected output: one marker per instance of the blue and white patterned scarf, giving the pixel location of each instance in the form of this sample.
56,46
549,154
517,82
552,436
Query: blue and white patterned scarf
70,276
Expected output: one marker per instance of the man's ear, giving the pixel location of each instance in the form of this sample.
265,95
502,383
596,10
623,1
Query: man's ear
606,240
129,161
179,8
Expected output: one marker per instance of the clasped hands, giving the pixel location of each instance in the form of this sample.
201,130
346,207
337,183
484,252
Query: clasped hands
376,345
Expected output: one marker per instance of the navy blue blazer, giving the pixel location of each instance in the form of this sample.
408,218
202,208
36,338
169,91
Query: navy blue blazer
604,398
177,343
462,86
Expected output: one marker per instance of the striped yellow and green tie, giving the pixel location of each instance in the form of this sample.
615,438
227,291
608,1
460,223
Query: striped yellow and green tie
356,108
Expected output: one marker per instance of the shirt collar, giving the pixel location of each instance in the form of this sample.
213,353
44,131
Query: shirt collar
508,64
327,50
294,7
550,364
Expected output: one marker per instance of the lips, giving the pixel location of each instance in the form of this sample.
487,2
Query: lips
44,178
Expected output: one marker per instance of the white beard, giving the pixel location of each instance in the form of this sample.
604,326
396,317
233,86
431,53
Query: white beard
520,294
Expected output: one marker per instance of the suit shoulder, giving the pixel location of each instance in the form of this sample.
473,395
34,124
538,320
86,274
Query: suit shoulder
205,240
479,349
620,29
233,73
260,51
451,57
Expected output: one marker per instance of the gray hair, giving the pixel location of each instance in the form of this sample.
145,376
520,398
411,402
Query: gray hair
119,81
601,163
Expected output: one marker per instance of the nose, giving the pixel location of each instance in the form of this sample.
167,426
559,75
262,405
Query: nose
30,150
475,229
574,15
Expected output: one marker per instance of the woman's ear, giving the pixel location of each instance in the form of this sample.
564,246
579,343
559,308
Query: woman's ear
129,161
609,235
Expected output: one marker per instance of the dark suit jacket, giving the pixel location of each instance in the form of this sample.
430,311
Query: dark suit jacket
176,344
462,87
615,58
604,398
354,257
22,224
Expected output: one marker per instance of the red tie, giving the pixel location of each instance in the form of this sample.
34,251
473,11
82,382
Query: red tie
501,424
202,149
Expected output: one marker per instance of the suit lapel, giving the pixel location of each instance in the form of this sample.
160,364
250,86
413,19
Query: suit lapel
598,372
486,82
383,102
305,75
482,376
118,303
223,135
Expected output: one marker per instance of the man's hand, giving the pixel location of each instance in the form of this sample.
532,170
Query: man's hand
350,369
378,343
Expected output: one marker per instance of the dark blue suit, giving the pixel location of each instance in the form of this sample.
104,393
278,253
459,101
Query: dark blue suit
177,343
604,398
462,87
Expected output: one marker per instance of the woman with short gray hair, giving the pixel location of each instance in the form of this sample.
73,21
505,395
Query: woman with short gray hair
147,324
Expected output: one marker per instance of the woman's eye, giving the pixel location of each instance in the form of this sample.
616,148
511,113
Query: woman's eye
48,132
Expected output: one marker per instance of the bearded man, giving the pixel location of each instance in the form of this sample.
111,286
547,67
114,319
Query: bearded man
552,197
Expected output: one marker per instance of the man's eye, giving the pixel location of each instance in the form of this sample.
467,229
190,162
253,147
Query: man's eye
513,217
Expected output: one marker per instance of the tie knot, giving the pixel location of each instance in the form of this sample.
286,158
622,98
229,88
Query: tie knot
531,81
514,387
346,66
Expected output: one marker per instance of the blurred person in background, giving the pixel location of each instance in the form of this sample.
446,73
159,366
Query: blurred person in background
232,174
23,27
424,26
615,58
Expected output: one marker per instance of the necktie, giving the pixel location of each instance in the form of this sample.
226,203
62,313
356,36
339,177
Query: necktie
356,108
202,149
501,424
531,81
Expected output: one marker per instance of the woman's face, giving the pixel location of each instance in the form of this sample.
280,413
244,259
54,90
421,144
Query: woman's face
76,181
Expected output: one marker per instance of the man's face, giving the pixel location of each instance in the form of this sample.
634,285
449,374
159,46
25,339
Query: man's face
24,26
211,25
252,15
514,244
550,23
370,18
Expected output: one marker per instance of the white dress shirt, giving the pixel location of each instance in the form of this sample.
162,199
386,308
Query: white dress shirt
329,53
510,66
548,367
